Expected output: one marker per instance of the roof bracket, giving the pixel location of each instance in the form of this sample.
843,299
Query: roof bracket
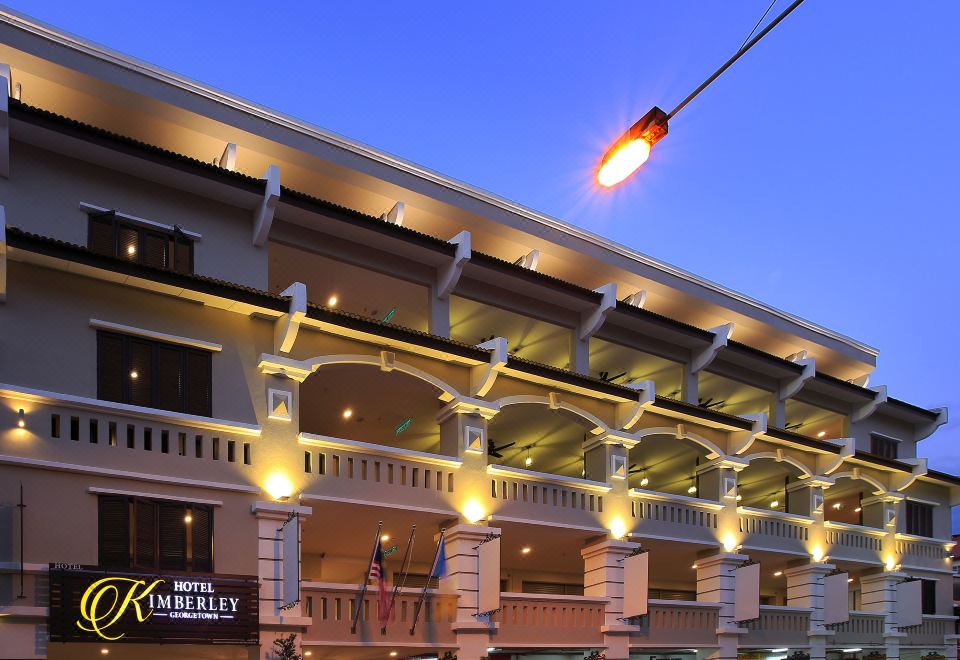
449,275
483,376
5,78
924,433
703,359
263,216
741,441
286,327
638,299
628,414
228,160
919,469
529,260
395,215
591,322
830,463
791,387
869,408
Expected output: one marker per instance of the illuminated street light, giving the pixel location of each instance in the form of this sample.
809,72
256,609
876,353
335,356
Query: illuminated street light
632,149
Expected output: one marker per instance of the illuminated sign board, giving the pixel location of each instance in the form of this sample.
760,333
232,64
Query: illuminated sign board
89,604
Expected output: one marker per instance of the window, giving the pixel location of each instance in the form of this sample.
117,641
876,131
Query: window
155,374
555,588
110,235
919,518
881,445
928,596
136,532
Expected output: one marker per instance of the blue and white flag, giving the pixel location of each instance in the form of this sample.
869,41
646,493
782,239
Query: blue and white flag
439,569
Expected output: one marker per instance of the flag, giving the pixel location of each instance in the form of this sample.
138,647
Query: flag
378,572
439,569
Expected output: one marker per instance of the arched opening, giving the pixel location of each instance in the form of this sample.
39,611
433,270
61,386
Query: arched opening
843,501
764,484
362,402
533,436
667,464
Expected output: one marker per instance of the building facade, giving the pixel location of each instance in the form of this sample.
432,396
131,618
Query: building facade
236,350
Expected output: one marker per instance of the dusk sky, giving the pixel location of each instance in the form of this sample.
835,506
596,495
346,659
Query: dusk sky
819,175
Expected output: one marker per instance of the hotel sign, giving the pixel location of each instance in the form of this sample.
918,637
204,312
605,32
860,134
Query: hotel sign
89,604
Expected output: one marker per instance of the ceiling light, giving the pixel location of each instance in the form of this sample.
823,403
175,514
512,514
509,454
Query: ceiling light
21,422
849,579
774,504
134,375
307,653
525,550
838,506
821,434
694,567
188,519
347,413
384,538
644,482
332,302
778,574
779,650
393,654
739,497
131,250
692,490
528,461
104,651
858,509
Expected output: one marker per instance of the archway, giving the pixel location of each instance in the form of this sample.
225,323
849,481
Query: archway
764,484
664,463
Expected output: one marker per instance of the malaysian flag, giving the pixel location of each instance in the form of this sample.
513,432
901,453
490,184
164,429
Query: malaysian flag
378,572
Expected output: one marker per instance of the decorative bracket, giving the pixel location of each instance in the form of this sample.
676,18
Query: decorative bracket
263,216
529,260
483,376
228,160
591,322
831,464
741,441
926,431
919,469
449,275
395,215
791,387
638,299
628,414
868,409
703,359
286,327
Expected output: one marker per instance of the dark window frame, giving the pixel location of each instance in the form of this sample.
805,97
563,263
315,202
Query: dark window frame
919,518
142,543
110,390
174,241
928,596
884,446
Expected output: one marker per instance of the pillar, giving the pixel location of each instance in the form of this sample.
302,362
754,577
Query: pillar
463,435
717,480
463,579
805,588
878,593
716,580
439,321
805,498
603,578
275,622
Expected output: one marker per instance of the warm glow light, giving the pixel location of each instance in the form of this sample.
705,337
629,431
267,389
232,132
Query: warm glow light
694,567
393,654
525,550
739,497
617,528
278,487
104,651
644,482
692,490
849,579
817,553
332,302
130,250
837,506
821,434
134,375
307,653
472,511
774,504
347,413
729,542
889,562
858,510
188,519
778,574
21,422
528,461
623,162
384,538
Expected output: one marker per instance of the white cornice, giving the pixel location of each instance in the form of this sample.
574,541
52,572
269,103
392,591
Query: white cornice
104,54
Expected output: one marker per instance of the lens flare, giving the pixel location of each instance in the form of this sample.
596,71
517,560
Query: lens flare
623,162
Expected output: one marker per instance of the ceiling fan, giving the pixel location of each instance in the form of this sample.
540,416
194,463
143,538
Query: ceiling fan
494,450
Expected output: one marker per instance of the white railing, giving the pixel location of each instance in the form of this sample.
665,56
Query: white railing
674,516
846,541
783,626
774,529
862,628
671,621
534,620
529,495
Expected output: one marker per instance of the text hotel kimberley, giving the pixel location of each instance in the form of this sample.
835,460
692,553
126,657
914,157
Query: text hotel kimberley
259,381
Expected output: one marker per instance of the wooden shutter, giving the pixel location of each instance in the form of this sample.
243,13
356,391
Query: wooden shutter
198,383
114,532
145,539
110,367
169,377
154,250
172,536
201,538
182,255
141,364
100,236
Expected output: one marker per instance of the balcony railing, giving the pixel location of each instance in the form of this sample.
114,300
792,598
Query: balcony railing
361,471
778,626
674,516
854,542
862,628
921,551
931,631
532,620
525,494
332,609
671,621
774,530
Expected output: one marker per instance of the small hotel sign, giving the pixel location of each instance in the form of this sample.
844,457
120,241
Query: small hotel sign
89,604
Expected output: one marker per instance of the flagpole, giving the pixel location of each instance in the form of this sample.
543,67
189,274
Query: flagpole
396,584
366,578
423,594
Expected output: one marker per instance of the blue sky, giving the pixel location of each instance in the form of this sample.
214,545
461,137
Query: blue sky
819,175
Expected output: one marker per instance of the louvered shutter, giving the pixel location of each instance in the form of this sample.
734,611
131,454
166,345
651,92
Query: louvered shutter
140,373
172,534
100,236
109,367
154,250
145,538
198,383
182,255
128,243
114,532
201,532
169,378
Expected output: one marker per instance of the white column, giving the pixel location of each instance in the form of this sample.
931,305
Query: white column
805,588
603,578
879,594
716,579
463,579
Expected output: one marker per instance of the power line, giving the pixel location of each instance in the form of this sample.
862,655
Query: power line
758,24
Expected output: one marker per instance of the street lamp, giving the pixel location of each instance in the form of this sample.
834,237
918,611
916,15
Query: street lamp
632,149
